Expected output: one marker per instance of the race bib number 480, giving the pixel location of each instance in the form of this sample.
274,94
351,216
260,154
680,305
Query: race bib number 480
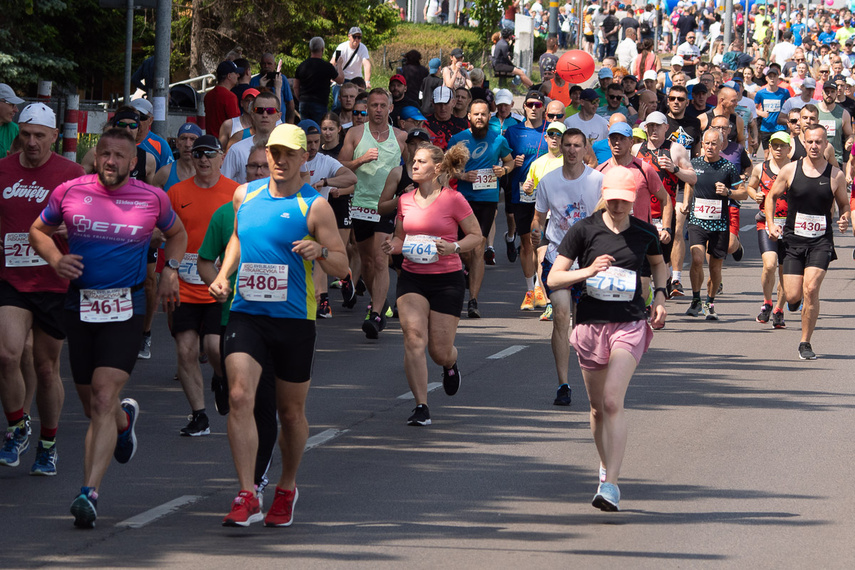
264,282
613,284
19,253
106,305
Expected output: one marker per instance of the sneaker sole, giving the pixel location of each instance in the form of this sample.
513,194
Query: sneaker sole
560,402
206,431
712,317
604,504
142,356
418,423
779,326
257,517
370,331
807,357
293,504
84,513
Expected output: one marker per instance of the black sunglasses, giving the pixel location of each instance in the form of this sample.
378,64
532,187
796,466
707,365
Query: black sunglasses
268,110
555,115
210,154
123,125
360,113
676,99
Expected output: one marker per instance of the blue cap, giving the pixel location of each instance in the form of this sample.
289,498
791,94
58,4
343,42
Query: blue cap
309,126
620,129
605,72
434,64
191,128
411,112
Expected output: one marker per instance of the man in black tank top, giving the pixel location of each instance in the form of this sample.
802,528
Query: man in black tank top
811,185
726,106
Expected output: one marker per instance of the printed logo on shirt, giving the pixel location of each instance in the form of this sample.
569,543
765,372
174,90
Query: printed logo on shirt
104,230
681,137
572,214
32,191
479,150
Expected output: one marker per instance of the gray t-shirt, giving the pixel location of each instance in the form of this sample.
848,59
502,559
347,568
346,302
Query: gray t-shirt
567,202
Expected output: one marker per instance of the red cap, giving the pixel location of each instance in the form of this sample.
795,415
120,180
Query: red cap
399,78
251,92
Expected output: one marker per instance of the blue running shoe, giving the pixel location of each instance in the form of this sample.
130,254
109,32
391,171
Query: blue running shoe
126,443
46,457
84,508
607,497
15,444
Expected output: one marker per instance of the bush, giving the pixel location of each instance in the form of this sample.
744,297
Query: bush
432,40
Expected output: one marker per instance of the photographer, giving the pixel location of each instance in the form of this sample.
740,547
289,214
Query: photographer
271,78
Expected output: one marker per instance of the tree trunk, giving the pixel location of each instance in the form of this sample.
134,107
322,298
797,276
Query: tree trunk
196,38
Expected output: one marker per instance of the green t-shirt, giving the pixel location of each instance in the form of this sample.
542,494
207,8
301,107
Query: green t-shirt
8,132
214,246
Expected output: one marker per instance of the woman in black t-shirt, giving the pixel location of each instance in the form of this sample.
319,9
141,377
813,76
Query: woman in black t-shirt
611,330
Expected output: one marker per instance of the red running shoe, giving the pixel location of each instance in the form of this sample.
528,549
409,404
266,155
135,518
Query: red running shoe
245,510
281,513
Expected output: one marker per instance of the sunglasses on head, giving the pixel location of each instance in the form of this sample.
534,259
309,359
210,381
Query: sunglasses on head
210,154
124,125
681,99
360,113
268,110
534,104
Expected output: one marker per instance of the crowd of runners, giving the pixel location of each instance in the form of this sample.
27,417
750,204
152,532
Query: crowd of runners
240,229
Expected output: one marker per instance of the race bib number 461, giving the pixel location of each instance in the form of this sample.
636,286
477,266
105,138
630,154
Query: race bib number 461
106,305
265,282
19,252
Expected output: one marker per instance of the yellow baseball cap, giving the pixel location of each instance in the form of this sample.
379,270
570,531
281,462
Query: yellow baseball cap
639,133
289,136
782,137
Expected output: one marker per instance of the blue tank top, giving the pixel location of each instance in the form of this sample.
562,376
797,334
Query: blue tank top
267,226
173,177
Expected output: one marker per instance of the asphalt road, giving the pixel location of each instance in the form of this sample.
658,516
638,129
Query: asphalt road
740,455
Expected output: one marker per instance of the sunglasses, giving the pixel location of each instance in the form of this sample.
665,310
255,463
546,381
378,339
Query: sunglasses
360,113
123,125
534,104
143,117
553,134
356,37
681,99
615,97
255,166
793,121
555,115
268,110
209,154
823,71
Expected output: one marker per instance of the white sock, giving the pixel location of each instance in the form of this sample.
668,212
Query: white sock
675,275
529,283
510,238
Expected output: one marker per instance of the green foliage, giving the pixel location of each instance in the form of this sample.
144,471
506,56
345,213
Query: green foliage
431,40
488,13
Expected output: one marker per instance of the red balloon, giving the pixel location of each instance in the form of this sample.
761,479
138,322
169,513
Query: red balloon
575,66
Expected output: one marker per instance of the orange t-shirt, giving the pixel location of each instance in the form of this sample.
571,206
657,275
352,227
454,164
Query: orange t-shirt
195,206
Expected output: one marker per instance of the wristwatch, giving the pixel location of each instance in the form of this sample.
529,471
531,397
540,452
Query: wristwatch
456,247
324,253
173,264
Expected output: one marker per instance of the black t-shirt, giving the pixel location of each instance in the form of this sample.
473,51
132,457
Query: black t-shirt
482,93
609,24
685,131
395,113
686,24
849,105
315,75
414,74
628,22
709,174
590,238
444,130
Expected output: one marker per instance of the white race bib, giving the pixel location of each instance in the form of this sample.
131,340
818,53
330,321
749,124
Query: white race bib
830,126
780,221
809,226
188,271
707,209
613,284
19,252
420,249
772,105
657,222
265,282
106,305
367,214
527,198
485,179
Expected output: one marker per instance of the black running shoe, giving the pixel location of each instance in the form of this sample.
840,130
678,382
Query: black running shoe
420,417
220,388
695,308
198,426
806,351
562,397
512,248
472,309
737,255
348,293
490,256
360,287
794,307
765,313
451,379
677,289
778,320
371,326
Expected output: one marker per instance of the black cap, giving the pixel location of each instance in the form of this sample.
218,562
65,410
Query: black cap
457,52
207,142
699,88
534,95
420,134
589,95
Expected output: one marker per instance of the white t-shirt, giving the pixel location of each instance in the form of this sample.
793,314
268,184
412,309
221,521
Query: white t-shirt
626,52
795,103
322,166
566,202
596,129
688,50
355,67
782,52
234,163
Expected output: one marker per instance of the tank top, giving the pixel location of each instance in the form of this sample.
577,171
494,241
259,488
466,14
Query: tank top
267,226
833,123
371,176
799,151
237,126
562,93
733,132
173,177
669,179
642,66
809,197
139,171
767,179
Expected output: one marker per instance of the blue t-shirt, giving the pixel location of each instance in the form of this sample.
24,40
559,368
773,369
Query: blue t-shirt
503,126
483,155
530,143
602,150
255,81
771,103
798,32
827,37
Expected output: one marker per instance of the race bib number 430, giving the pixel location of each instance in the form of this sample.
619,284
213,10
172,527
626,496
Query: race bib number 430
809,226
106,305
265,282
613,284
19,253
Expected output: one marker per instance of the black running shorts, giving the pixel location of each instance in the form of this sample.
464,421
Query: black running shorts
798,254
46,308
715,242
204,318
288,343
444,291
101,345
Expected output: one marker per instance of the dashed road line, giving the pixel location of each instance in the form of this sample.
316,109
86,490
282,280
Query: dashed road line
507,352
151,515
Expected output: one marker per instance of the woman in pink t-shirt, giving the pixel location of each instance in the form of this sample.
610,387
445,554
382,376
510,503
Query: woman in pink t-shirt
434,225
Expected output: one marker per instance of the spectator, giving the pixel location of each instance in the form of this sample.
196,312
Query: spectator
433,11
431,82
501,59
312,82
147,140
611,28
414,72
549,55
398,89
244,79
456,74
8,109
478,90
627,50
357,62
271,78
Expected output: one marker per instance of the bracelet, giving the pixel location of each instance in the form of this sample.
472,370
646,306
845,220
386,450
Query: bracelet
662,289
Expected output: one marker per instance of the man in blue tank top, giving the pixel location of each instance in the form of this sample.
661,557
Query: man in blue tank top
282,226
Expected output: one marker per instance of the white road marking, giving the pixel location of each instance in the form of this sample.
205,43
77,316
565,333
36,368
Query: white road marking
161,511
323,437
507,352
431,387
748,227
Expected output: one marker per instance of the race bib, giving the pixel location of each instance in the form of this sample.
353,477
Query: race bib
830,127
106,305
527,198
707,209
657,222
485,179
19,252
367,214
264,282
613,284
188,271
772,105
420,249
809,226
779,221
